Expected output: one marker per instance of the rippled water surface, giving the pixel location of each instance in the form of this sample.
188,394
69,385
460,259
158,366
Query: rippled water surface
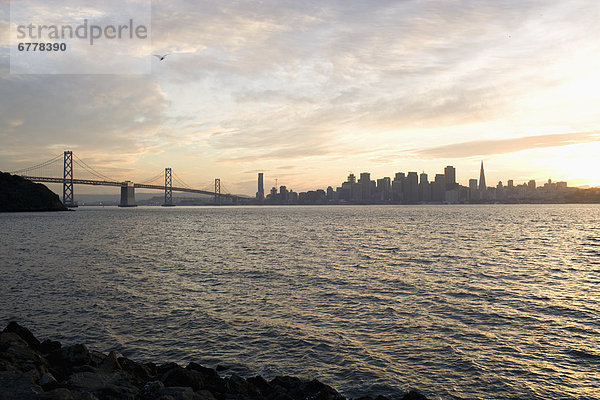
460,302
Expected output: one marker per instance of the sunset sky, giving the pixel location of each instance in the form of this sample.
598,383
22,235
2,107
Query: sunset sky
306,91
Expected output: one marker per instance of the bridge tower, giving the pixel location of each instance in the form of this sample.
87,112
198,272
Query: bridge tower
168,188
218,191
68,180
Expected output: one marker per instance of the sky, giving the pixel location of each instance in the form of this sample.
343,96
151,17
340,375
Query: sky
308,91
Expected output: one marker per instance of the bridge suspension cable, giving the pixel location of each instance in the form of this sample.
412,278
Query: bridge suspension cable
209,187
155,178
91,170
38,166
224,189
180,181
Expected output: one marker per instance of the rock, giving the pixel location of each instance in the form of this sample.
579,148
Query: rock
323,391
87,396
176,393
71,356
7,339
260,384
17,354
162,369
208,372
19,194
48,346
31,370
48,381
204,395
23,333
300,389
208,377
110,363
238,385
151,390
414,395
66,394
17,385
112,385
57,394
96,358
180,377
138,373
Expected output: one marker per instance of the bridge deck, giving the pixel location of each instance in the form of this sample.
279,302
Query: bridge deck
114,183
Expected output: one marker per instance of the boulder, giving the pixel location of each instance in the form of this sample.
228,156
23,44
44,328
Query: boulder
110,363
176,393
209,378
181,377
414,395
48,381
23,333
103,385
17,354
205,371
48,346
151,390
137,372
239,386
17,385
71,356
261,385
299,389
56,394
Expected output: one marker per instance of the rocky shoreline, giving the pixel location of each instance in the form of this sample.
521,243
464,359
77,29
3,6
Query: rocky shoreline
18,195
30,369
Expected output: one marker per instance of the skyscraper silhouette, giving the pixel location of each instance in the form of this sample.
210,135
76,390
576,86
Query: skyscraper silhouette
482,186
260,194
450,177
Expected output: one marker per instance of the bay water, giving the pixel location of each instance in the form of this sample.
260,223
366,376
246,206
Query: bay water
458,302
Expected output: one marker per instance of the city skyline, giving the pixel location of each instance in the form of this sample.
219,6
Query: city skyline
414,188
305,92
448,180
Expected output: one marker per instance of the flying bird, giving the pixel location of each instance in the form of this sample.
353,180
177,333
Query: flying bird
160,58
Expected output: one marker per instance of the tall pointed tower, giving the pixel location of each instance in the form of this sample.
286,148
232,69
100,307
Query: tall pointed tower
482,185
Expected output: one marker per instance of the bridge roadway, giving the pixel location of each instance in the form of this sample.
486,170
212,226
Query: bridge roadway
119,184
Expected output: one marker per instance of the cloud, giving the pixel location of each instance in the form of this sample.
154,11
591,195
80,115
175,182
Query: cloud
301,73
500,146
114,116
280,81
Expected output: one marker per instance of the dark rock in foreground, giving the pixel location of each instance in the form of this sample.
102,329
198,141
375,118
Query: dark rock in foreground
18,194
33,370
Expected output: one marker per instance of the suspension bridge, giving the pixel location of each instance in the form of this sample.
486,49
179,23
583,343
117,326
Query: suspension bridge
47,172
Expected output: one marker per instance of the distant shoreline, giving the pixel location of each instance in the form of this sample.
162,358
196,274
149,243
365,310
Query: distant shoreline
336,204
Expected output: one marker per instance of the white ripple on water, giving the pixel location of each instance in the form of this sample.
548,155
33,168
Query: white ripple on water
460,302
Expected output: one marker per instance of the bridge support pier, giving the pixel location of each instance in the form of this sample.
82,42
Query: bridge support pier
127,195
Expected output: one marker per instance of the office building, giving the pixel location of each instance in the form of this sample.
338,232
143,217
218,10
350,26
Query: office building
482,186
260,194
397,187
424,188
473,184
450,177
411,191
384,189
438,188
